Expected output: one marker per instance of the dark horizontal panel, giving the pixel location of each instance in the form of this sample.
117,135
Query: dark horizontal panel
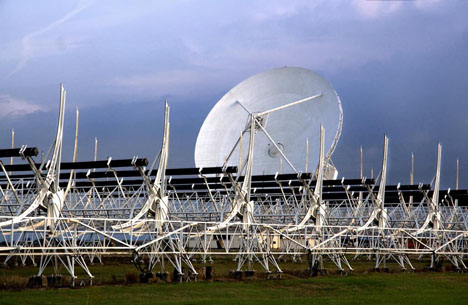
63,176
18,167
281,177
258,187
308,176
409,187
366,181
203,171
197,180
169,171
18,177
121,173
104,164
263,179
458,192
84,165
15,152
258,178
110,183
355,188
110,174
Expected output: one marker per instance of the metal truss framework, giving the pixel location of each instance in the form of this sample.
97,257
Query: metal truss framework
71,214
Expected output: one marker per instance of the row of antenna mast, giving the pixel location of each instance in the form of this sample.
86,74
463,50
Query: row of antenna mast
73,213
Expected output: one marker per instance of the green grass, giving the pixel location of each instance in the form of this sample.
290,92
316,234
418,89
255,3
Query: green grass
360,287
372,288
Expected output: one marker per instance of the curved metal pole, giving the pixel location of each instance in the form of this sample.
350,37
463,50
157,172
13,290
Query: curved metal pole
75,152
53,172
157,201
316,208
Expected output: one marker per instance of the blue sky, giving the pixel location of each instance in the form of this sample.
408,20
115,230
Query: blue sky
400,67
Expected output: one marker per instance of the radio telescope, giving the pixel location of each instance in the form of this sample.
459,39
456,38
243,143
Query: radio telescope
290,103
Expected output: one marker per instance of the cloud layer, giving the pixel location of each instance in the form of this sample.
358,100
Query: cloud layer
16,108
400,67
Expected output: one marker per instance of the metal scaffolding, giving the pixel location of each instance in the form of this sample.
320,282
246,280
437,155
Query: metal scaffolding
73,213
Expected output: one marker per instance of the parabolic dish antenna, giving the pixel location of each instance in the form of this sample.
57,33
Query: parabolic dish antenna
289,127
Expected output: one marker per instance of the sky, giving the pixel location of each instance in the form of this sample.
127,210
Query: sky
399,67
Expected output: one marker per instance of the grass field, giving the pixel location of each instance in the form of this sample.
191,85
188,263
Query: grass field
360,287
378,288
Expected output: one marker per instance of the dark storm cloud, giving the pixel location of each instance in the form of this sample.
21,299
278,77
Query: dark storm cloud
400,67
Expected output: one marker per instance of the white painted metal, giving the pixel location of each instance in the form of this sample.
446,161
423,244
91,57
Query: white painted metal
41,220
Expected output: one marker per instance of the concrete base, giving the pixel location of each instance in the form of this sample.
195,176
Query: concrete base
163,276
273,275
35,281
146,277
242,275
54,280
